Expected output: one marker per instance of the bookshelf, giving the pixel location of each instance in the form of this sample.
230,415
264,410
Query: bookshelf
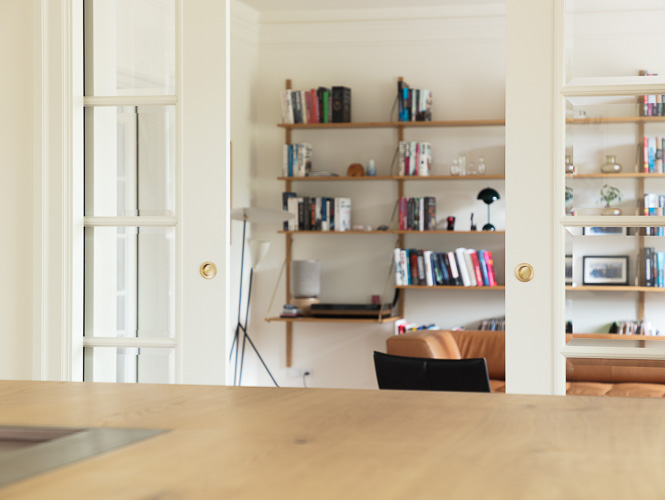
399,127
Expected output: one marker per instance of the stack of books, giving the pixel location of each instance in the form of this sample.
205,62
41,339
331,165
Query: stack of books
317,213
417,214
461,267
632,327
297,160
415,158
414,105
493,324
653,267
320,105
289,311
651,105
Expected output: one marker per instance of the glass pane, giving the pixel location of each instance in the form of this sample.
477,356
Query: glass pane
614,158
614,38
129,365
129,282
129,47
617,283
130,160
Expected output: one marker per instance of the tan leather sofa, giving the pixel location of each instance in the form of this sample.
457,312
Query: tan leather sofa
587,378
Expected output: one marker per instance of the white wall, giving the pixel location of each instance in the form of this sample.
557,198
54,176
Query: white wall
16,195
458,53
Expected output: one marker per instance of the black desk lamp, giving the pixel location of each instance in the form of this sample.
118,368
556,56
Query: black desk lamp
488,196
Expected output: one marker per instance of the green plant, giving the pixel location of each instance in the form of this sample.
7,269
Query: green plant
609,193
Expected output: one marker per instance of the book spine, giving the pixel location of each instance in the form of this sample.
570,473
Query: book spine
308,106
413,257
293,209
490,267
475,262
422,279
421,214
436,268
469,265
406,269
398,264
285,206
482,265
461,266
429,271
400,166
287,107
659,155
344,214
645,154
454,272
297,106
444,269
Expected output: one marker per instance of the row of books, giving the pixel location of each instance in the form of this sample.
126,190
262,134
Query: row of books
402,326
632,327
414,105
493,324
415,158
320,105
417,214
316,213
462,267
653,267
651,105
297,160
653,155
654,204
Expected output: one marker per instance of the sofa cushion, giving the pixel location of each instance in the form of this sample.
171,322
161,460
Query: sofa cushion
484,344
424,345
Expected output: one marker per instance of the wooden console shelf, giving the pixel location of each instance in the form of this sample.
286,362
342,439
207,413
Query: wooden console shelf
312,319
425,287
589,288
395,231
432,124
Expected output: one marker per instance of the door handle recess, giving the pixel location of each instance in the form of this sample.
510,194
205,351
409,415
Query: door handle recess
208,270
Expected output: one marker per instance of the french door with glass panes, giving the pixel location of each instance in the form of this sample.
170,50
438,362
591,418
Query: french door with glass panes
154,184
577,74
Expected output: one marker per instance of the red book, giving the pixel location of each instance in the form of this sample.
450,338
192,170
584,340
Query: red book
490,267
476,267
413,257
308,106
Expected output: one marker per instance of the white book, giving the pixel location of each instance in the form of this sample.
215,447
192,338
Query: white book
285,161
302,160
292,204
461,262
470,267
398,266
412,158
287,106
344,213
453,267
421,214
303,105
429,274
318,222
425,163
406,274
402,157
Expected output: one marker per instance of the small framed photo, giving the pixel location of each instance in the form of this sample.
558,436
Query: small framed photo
569,269
604,231
605,270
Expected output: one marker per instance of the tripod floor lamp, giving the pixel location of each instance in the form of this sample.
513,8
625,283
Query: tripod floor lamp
257,250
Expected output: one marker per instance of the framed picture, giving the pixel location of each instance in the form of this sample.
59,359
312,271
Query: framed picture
569,269
605,270
604,231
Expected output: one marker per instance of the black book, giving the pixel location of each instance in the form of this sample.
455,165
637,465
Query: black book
341,105
285,205
430,213
307,223
297,106
301,215
436,269
444,269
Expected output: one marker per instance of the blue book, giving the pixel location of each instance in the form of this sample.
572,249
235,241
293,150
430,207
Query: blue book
660,266
444,270
483,267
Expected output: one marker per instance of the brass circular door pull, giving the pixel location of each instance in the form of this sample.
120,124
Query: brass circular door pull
208,270
524,272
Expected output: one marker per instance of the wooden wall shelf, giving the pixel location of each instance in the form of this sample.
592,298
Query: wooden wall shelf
589,288
397,231
432,124
615,336
466,288
620,175
616,119
396,178
311,319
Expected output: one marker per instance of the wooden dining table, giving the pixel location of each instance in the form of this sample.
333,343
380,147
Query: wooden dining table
281,443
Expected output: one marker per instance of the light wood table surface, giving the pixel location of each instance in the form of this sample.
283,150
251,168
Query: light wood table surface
268,443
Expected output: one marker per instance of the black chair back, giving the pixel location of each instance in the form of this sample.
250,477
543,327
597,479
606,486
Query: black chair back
426,374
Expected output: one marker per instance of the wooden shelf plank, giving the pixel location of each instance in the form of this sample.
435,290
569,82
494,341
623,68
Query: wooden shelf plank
614,336
425,287
620,175
391,231
616,119
609,288
396,178
312,319
391,124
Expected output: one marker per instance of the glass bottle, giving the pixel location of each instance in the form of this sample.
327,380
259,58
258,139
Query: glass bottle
455,168
610,166
481,166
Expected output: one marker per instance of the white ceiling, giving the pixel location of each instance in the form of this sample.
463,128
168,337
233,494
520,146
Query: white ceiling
276,5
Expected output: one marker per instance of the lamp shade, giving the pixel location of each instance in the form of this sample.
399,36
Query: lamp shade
257,250
489,195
